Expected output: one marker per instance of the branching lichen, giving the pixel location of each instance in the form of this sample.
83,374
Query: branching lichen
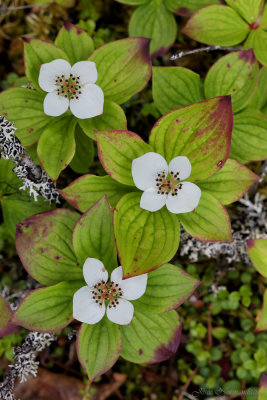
33,177
25,363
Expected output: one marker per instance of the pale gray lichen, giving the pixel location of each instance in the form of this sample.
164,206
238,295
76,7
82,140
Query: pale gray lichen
249,222
25,363
33,177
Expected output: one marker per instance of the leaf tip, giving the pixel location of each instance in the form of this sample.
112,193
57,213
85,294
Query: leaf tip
247,55
167,350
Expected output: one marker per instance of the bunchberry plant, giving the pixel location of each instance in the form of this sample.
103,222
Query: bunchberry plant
241,21
73,255
70,73
188,143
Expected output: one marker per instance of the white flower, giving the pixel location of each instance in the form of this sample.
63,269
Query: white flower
89,302
162,183
71,86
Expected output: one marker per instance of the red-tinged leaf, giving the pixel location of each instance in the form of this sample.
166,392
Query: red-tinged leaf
48,309
117,150
257,40
44,245
76,43
153,20
86,190
209,221
6,326
257,251
263,388
98,347
123,66
151,338
167,288
230,183
201,131
216,25
236,74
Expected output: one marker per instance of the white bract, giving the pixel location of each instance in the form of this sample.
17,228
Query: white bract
71,86
162,184
91,302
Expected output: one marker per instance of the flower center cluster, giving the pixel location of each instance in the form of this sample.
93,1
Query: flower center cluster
107,291
69,88
165,185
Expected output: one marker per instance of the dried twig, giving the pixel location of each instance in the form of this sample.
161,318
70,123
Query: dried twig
201,50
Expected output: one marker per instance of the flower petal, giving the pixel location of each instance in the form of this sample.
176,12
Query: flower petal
182,165
94,271
132,288
146,168
90,102
187,199
85,309
151,200
116,275
122,314
55,105
86,70
50,71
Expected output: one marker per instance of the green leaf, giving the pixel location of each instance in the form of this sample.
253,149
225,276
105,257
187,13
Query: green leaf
249,136
124,68
44,245
98,347
93,235
86,190
230,183
260,98
263,19
6,326
263,388
209,221
216,25
56,146
25,108
187,7
257,40
18,207
47,309
9,182
84,154
153,20
201,131
174,87
262,321
167,288
248,9
257,251
235,74
76,43
116,150
113,117
151,338
145,240
36,53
